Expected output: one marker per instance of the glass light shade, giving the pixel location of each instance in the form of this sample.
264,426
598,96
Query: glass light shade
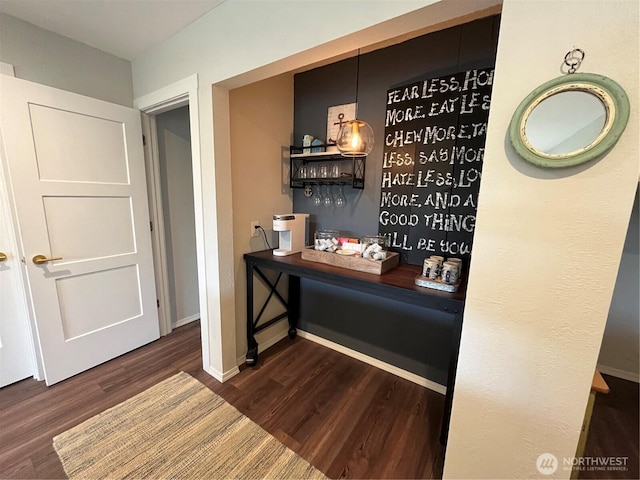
355,139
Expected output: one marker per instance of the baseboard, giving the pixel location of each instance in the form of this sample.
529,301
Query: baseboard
222,377
387,367
623,374
185,320
264,345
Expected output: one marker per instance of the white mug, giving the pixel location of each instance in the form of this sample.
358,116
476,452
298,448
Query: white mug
457,261
440,261
450,273
431,268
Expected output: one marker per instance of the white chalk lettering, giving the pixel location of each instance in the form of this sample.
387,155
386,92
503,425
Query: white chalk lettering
408,114
396,159
403,94
470,102
435,156
426,244
439,85
447,106
402,219
455,248
464,154
425,178
475,79
400,138
390,179
390,199
471,131
468,177
470,201
435,134
449,222
395,243
457,154
443,200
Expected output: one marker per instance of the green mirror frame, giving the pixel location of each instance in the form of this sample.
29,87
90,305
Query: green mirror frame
613,98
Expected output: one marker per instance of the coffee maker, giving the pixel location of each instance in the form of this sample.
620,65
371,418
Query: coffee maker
292,228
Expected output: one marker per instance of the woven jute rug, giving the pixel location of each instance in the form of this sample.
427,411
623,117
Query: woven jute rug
176,429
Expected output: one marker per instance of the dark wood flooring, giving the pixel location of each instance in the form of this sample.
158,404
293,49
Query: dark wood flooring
347,418
615,430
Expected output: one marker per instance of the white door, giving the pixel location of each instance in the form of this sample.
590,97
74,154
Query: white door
77,171
16,354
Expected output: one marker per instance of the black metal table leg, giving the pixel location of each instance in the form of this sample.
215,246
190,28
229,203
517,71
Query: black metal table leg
254,325
252,346
294,304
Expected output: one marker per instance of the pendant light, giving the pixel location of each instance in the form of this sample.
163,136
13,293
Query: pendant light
355,138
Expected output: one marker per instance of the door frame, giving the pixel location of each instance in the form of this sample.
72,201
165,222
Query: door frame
156,215
181,93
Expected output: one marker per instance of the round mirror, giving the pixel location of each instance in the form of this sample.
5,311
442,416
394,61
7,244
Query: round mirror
569,120
565,122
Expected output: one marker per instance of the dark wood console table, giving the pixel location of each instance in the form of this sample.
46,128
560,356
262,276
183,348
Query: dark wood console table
397,284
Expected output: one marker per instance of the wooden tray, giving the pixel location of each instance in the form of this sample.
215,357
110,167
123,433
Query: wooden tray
377,267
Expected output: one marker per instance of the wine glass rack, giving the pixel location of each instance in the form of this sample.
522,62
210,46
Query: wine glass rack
351,170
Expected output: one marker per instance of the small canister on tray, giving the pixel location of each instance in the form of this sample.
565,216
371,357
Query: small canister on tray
326,240
375,247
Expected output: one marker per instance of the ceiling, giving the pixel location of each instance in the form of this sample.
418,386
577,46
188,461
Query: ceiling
124,28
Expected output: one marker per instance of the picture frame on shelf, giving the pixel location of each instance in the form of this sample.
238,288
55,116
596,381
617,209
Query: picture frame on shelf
336,117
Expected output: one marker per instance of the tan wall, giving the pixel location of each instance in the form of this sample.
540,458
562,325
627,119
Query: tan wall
261,130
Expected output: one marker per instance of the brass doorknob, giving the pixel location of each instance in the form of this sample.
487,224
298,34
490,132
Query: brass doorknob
41,259
3,257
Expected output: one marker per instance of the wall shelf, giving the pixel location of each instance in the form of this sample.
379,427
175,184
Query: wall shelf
351,169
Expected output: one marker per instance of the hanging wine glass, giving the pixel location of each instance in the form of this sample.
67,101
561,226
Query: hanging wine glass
317,197
340,200
328,199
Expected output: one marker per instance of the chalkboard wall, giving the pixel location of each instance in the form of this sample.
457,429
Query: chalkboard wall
472,45
434,138
409,338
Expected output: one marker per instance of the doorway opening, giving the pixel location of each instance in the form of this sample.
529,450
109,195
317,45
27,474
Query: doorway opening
179,94
173,218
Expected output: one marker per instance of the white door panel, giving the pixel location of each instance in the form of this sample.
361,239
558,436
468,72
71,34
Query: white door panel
77,171
16,353
65,140
107,234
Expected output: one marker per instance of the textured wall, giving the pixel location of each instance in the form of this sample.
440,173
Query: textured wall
546,253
